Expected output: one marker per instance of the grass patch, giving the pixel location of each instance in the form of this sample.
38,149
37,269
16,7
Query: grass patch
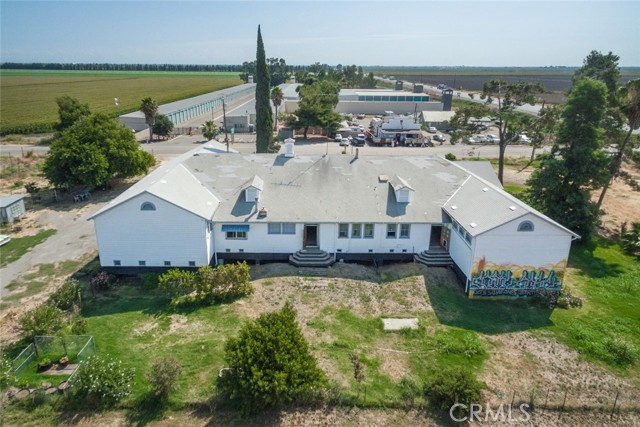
19,246
28,97
515,190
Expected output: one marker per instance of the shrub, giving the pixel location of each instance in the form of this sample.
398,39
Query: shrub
620,351
163,376
410,390
6,373
78,324
269,363
42,320
451,386
561,299
150,280
208,285
177,282
101,281
630,239
450,156
102,382
31,186
67,295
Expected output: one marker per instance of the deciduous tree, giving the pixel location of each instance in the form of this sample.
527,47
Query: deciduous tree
315,109
509,96
163,126
70,110
94,151
562,187
264,119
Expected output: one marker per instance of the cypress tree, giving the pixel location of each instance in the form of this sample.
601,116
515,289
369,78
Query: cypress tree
264,118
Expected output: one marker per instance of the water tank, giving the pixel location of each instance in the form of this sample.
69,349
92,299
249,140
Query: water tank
447,99
398,84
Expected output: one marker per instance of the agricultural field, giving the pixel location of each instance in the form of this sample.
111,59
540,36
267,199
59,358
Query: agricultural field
555,81
28,96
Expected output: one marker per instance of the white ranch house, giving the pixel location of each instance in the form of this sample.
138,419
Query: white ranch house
208,207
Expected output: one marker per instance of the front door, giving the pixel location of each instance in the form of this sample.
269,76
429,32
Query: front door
436,231
310,239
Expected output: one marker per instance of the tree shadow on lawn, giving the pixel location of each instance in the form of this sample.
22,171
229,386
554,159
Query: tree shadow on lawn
583,258
145,409
454,308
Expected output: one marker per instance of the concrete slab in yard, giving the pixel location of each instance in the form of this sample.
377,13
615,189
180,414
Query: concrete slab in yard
397,324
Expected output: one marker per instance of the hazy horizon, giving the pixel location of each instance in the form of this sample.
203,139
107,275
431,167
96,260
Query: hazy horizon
369,33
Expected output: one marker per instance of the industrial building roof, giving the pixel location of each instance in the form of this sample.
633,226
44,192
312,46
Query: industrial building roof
437,116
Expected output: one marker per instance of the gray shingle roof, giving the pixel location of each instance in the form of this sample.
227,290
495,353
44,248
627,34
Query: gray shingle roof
9,200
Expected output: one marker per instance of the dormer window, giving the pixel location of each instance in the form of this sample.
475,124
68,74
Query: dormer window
525,226
402,190
253,190
148,206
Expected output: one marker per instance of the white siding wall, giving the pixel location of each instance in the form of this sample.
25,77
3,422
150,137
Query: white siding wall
547,244
460,253
258,240
169,233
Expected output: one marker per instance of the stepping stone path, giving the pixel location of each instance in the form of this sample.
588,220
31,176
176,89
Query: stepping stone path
397,324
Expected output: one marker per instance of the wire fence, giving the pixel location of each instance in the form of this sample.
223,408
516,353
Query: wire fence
75,347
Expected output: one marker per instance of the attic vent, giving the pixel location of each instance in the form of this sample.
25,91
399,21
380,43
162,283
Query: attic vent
454,207
473,225
513,208
383,178
485,189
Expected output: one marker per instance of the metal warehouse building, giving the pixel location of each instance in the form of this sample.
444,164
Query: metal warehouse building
187,109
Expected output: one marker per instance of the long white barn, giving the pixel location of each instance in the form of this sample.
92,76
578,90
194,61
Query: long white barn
208,207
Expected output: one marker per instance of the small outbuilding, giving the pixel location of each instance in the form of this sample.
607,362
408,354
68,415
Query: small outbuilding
11,208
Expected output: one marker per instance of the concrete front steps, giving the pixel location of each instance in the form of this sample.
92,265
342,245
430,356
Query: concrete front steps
434,257
311,258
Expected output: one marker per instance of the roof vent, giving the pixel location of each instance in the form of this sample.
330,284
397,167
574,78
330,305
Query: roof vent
262,213
473,224
513,208
454,207
485,189
383,178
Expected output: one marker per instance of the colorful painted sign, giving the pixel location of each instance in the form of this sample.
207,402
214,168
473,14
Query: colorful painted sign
491,280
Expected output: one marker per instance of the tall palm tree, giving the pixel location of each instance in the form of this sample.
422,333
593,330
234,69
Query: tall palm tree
149,108
276,98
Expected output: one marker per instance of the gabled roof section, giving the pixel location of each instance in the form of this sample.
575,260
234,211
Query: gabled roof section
481,169
399,183
480,206
175,185
256,182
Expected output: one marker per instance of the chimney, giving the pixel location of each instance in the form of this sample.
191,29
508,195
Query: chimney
288,147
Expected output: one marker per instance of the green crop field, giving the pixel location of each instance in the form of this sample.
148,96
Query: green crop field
28,97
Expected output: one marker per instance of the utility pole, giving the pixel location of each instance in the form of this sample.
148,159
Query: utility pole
224,118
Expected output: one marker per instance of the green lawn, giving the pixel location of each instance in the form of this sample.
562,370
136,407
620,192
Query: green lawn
135,324
19,246
28,98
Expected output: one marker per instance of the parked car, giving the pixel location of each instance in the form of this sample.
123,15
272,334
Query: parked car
524,138
344,142
431,129
359,141
439,138
481,139
338,137
480,128
471,140
493,139
4,239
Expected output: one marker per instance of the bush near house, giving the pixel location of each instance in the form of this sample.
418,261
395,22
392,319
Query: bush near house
451,386
207,286
42,320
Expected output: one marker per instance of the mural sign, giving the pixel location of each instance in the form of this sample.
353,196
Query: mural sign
492,280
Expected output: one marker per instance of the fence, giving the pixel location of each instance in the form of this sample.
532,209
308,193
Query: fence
77,347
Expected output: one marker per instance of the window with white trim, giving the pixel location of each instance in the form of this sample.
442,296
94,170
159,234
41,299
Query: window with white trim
405,231
236,235
392,231
368,231
356,231
343,231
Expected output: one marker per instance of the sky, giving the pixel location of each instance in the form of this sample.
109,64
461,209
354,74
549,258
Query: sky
395,33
